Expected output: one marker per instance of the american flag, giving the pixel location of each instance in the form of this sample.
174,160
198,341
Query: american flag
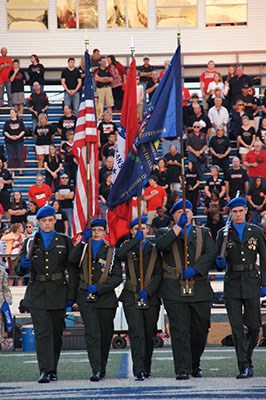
86,133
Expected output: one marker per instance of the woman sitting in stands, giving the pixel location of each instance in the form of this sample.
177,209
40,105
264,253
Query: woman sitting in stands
18,209
44,136
14,131
52,165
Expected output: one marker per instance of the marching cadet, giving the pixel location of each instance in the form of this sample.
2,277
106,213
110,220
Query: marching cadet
97,300
141,306
186,292
48,292
244,282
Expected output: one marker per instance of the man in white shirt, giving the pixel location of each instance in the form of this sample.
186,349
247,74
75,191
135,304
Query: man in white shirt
218,116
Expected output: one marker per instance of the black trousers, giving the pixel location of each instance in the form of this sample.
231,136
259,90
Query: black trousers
48,329
244,342
142,329
189,327
99,328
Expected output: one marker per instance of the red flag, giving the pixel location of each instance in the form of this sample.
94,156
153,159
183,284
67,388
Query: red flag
86,133
120,217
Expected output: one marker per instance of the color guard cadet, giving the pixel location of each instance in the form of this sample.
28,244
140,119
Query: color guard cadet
186,292
244,282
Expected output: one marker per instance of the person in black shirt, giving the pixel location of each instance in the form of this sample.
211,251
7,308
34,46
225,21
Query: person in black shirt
214,203
14,131
38,103
17,209
70,161
256,198
161,171
31,213
236,83
248,101
66,122
192,185
220,149
65,194
215,223
61,225
104,192
246,138
108,167
18,79
145,71
236,179
215,183
106,127
36,71
103,79
5,186
152,85
71,82
173,159
43,135
52,165
109,148
161,221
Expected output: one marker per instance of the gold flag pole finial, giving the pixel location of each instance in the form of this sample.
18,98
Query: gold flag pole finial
87,42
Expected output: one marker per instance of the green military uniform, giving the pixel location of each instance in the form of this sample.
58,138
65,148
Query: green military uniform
97,316
142,323
189,316
242,282
46,296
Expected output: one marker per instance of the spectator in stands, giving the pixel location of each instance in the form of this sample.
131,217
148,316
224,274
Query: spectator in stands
192,183
71,82
155,196
103,79
215,183
185,103
215,223
196,147
104,192
65,194
218,94
61,224
263,104
28,229
119,74
205,79
173,159
18,208
18,80
36,72
231,72
171,200
217,83
165,64
194,103
109,148
199,116
98,108
218,116
107,167
236,83
14,242
261,132
66,122
255,162
256,198
52,165
38,103
161,221
140,98
256,113
81,69
214,203
236,179
40,192
95,60
5,187
106,127
251,105
161,171
31,213
153,84
70,161
236,119
14,131
3,155
246,138
220,149
145,71
43,136
5,68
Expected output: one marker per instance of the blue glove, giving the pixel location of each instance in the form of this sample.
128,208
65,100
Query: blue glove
87,234
189,272
70,303
262,291
25,263
91,289
220,263
139,236
182,220
143,294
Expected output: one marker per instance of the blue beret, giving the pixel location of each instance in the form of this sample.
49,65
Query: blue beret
98,222
46,211
179,206
237,202
135,221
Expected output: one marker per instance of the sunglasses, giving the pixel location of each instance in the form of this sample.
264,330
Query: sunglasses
196,126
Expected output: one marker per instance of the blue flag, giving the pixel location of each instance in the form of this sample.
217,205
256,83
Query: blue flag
163,119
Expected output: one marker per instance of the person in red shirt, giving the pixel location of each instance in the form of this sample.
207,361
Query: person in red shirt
5,68
155,196
256,161
207,77
40,193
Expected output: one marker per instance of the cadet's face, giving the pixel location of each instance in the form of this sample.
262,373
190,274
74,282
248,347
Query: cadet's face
178,213
98,233
144,228
47,224
239,214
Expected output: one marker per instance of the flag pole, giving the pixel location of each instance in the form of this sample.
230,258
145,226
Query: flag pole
91,296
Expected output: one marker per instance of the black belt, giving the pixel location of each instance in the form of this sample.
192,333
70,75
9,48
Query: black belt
49,278
104,86
179,277
241,267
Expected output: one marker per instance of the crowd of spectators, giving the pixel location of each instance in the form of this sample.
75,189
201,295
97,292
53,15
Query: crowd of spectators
226,120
